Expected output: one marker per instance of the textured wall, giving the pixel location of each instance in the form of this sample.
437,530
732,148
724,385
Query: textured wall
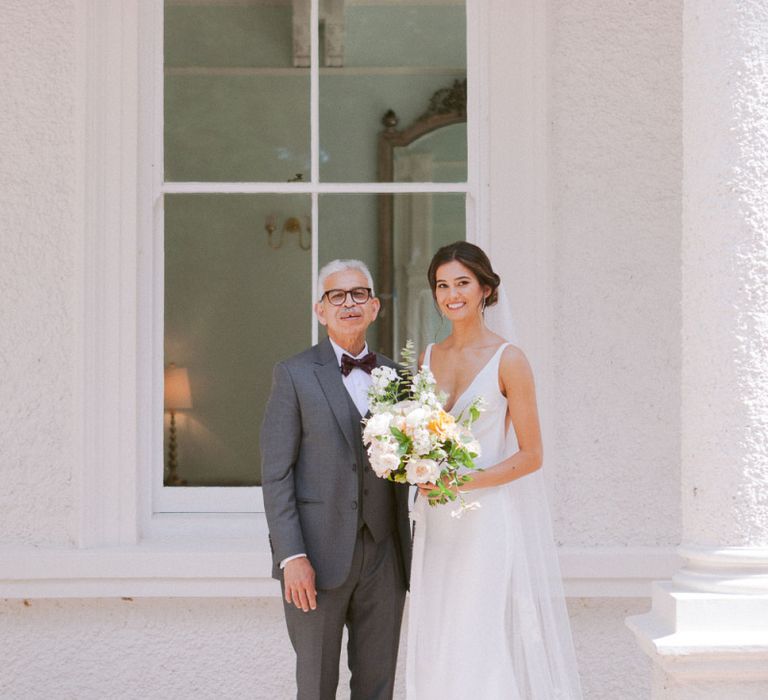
230,648
725,251
38,171
615,197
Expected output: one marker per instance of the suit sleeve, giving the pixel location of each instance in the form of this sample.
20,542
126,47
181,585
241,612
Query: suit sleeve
280,439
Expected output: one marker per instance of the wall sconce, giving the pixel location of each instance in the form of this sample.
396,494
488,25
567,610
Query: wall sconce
291,225
177,396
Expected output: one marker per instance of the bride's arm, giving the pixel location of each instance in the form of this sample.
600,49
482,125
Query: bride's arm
517,382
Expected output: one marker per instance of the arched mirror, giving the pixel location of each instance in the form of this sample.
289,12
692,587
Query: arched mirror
412,226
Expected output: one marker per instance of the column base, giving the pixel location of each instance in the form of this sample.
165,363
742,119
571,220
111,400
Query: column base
705,644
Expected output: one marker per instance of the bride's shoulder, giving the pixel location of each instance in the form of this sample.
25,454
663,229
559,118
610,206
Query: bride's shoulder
513,362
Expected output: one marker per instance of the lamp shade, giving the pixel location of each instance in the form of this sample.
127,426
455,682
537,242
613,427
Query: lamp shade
177,393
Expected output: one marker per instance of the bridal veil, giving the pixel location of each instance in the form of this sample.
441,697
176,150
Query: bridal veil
537,617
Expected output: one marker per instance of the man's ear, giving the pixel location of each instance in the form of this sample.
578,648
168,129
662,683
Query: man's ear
376,305
320,313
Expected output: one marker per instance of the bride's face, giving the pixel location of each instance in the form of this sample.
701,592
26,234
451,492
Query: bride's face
458,292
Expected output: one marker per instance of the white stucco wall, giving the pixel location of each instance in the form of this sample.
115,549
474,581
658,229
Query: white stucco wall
615,172
231,648
614,103
38,249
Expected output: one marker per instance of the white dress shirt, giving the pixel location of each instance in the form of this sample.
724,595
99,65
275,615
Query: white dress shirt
357,383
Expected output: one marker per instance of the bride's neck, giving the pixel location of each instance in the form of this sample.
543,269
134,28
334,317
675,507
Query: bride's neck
467,332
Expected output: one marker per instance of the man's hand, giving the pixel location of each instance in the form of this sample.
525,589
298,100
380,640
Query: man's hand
299,580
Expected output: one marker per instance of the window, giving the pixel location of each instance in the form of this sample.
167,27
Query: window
279,154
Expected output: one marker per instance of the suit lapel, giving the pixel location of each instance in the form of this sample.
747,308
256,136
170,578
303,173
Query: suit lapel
329,375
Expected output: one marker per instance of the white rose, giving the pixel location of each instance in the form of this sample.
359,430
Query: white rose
398,422
383,446
420,471
377,425
384,462
416,417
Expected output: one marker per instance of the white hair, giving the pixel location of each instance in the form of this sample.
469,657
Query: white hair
335,266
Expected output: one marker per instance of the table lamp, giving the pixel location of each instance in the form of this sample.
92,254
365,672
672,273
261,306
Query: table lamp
177,396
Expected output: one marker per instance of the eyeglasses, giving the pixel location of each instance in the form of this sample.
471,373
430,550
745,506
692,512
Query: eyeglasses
337,297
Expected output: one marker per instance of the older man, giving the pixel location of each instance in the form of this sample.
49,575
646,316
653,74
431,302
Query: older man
339,535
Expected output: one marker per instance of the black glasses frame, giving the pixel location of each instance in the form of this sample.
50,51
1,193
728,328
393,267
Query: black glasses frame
350,293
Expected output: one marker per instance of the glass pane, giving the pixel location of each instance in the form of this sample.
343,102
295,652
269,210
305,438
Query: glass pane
237,300
388,56
236,92
398,254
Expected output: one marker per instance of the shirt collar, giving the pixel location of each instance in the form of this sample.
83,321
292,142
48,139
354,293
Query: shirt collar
341,351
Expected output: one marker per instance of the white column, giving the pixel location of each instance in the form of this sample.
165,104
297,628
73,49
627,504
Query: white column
708,629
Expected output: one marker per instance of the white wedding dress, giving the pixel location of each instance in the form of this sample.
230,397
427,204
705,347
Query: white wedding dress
487,617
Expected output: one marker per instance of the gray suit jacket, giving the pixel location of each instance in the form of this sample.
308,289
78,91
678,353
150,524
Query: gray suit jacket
310,447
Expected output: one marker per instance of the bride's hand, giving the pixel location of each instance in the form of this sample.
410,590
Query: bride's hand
430,486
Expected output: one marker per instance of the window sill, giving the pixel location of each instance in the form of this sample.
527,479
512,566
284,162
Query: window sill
235,568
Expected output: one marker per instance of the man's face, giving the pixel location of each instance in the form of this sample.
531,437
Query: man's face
347,323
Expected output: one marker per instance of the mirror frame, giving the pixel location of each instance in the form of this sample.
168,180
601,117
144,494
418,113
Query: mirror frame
447,106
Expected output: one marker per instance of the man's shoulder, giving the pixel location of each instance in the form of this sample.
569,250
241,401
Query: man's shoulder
310,356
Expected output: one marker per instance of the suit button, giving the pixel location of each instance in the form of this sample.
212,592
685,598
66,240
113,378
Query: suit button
365,492
354,505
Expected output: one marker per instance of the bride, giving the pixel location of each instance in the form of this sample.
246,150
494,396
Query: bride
487,614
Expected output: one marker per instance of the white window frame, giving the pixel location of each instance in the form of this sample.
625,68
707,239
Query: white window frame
121,367
244,499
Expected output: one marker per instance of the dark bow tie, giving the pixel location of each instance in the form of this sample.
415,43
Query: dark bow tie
365,363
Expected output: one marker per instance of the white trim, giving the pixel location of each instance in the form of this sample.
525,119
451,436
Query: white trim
314,122
519,225
721,569
273,71
309,188
121,355
314,94
207,499
410,3
152,270
315,264
477,214
107,356
407,3
242,568
225,3
704,636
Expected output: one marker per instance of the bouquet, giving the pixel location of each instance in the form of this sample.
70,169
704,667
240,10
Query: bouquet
412,439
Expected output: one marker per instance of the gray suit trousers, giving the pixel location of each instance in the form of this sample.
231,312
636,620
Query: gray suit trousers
365,603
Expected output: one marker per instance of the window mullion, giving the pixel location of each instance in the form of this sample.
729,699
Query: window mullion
314,96
308,188
315,254
314,121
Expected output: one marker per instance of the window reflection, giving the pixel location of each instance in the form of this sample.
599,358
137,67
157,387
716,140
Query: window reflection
234,306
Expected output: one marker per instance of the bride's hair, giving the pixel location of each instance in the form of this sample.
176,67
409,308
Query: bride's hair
474,259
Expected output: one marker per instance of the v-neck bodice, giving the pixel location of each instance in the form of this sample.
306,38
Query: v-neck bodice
488,392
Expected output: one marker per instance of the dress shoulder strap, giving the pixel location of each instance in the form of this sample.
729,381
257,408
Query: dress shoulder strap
500,352
427,355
